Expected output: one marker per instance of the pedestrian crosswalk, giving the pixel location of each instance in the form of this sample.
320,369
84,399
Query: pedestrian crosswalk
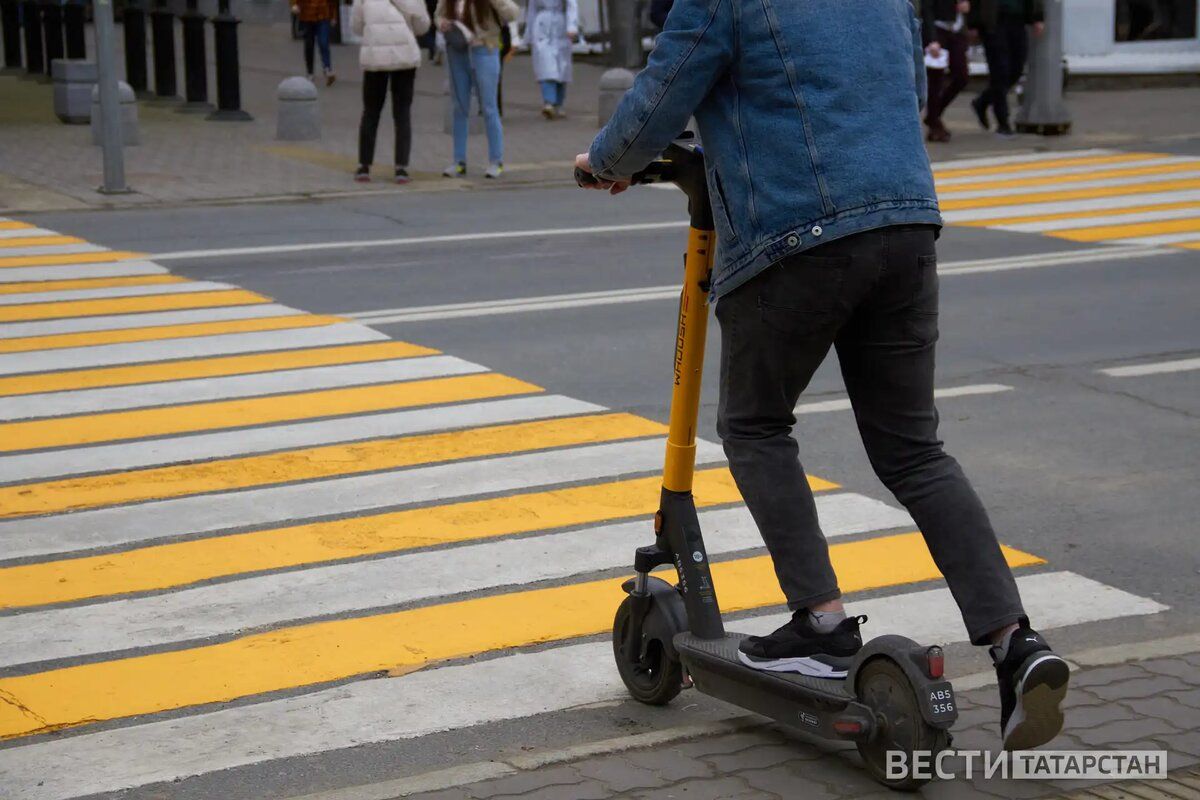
232,531
1108,196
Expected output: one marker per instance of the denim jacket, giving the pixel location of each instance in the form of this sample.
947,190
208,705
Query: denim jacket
809,111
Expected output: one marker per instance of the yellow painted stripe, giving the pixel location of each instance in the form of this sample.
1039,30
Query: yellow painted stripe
1189,245
316,463
89,283
178,564
220,414
1074,194
1099,212
153,333
209,367
13,225
305,655
39,241
104,256
1060,180
1024,166
1128,231
129,305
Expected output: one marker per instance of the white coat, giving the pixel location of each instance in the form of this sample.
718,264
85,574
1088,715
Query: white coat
547,26
389,31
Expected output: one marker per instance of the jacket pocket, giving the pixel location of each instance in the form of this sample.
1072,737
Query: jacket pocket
801,294
720,207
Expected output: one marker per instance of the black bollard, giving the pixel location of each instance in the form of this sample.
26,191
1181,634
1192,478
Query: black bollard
31,14
52,29
10,20
135,48
73,25
225,46
195,70
162,29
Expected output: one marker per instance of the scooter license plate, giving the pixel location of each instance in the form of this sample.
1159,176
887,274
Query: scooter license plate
940,704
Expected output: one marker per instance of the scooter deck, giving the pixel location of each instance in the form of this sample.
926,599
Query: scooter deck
714,663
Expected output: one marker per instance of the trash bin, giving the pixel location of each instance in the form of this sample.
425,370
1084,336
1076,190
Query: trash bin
74,79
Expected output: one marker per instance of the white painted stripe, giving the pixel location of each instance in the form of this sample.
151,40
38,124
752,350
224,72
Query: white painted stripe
1134,370
262,439
150,319
105,355
227,608
116,398
1000,191
1099,222
1020,158
274,505
1130,201
50,250
954,391
1156,241
113,291
21,233
66,272
536,233
450,698
1078,169
1105,253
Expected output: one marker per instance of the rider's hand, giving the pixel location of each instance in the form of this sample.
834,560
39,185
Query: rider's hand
1039,28
443,25
934,49
613,187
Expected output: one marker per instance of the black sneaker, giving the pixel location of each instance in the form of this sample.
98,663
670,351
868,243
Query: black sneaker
796,647
1033,683
1004,131
981,113
362,174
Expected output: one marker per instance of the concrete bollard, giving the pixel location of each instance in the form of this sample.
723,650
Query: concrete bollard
613,85
74,80
129,115
474,119
299,116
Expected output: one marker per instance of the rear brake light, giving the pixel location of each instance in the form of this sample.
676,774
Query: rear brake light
935,660
848,727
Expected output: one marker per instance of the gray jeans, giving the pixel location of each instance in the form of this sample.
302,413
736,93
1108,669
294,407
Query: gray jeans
873,296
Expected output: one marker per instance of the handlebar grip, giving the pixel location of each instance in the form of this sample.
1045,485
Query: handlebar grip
584,179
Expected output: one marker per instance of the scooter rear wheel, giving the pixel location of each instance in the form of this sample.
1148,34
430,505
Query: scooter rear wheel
882,685
654,679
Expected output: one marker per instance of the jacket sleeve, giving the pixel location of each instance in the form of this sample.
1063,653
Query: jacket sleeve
928,30
922,80
572,8
1037,11
439,12
356,18
415,13
692,53
507,10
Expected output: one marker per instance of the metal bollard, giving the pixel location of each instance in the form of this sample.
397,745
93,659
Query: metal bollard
1043,110
128,115
135,48
52,29
10,32
613,85
162,29
74,80
74,28
225,46
195,69
31,15
625,34
299,117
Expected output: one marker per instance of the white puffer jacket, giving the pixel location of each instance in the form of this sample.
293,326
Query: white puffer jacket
389,31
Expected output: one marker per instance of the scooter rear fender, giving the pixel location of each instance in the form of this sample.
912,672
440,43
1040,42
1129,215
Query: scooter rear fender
935,695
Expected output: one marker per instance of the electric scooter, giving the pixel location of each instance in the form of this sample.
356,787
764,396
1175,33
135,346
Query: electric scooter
667,637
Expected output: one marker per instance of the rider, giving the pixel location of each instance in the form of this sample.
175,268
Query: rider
826,215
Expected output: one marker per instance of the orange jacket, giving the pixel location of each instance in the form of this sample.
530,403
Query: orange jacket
315,10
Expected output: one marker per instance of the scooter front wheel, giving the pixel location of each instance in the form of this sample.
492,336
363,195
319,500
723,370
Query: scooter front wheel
884,687
652,676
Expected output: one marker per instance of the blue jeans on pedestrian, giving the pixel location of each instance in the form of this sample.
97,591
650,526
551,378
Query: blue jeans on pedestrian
318,31
554,93
480,67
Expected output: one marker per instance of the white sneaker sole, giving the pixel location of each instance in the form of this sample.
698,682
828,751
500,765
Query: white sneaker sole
1038,717
802,666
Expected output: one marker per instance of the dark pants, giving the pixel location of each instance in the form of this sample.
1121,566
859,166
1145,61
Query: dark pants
316,33
1006,47
375,87
944,85
873,296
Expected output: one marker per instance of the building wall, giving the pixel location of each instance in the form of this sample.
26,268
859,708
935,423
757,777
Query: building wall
1089,31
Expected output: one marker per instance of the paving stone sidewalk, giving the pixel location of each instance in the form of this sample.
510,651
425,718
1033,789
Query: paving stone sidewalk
1145,705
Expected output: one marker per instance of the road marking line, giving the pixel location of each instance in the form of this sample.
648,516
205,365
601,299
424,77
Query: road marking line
177,564
209,368
1129,231
1157,368
277,382
256,602
68,258
1080,179
843,404
326,334
14,225
9,251
1050,167
1032,212
276,505
1021,159
69,272
118,425
306,655
1176,239
1019,197
90,339
36,240
321,463
21,233
50,288
151,319
536,233
452,698
140,289
1089,219
128,305
205,446
1190,245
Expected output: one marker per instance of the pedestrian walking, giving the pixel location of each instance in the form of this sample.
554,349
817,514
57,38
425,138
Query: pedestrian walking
552,26
944,30
389,56
317,17
1001,26
472,30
